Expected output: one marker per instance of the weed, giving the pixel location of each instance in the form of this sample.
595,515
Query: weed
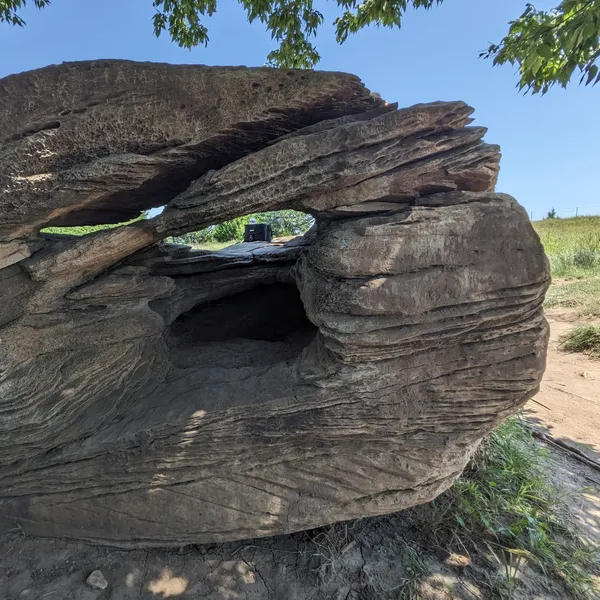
585,338
330,543
587,257
506,508
415,569
18,530
511,561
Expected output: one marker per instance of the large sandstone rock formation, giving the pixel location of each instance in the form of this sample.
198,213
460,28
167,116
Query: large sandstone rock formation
151,395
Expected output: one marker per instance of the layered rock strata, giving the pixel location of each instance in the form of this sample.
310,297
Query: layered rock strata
153,395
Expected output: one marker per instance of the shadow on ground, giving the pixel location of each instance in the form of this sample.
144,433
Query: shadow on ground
359,560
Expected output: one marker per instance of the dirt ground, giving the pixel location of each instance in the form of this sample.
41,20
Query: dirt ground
370,559
568,405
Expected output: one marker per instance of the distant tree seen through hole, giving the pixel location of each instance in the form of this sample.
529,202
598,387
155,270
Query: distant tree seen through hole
283,223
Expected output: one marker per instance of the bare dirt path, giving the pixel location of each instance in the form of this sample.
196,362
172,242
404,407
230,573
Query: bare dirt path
567,407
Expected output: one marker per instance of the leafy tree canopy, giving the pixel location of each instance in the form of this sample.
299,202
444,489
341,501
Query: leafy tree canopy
553,46
548,46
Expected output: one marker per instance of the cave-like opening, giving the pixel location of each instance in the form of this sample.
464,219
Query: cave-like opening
266,324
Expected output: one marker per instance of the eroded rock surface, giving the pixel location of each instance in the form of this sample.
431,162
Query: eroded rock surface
152,395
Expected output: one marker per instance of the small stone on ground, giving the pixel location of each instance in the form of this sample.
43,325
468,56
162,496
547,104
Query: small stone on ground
97,580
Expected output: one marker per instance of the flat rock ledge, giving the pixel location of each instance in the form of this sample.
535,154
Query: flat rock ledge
155,395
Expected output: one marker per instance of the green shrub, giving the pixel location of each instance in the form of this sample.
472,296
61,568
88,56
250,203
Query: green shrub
283,223
231,230
286,222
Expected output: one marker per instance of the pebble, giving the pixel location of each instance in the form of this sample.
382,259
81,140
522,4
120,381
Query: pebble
97,580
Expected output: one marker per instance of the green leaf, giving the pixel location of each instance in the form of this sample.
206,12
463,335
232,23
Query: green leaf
590,30
521,552
544,51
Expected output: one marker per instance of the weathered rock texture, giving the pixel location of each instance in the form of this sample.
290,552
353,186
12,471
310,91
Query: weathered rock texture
151,395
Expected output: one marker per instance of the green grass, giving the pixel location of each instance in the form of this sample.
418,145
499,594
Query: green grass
415,570
582,294
572,245
87,229
207,245
507,515
213,246
585,338
507,508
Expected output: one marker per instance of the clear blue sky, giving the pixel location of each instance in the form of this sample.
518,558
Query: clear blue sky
550,144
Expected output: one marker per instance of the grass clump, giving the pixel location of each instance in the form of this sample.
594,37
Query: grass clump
507,509
584,338
415,570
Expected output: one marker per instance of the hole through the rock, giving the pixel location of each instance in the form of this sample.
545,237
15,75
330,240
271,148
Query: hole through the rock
267,318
